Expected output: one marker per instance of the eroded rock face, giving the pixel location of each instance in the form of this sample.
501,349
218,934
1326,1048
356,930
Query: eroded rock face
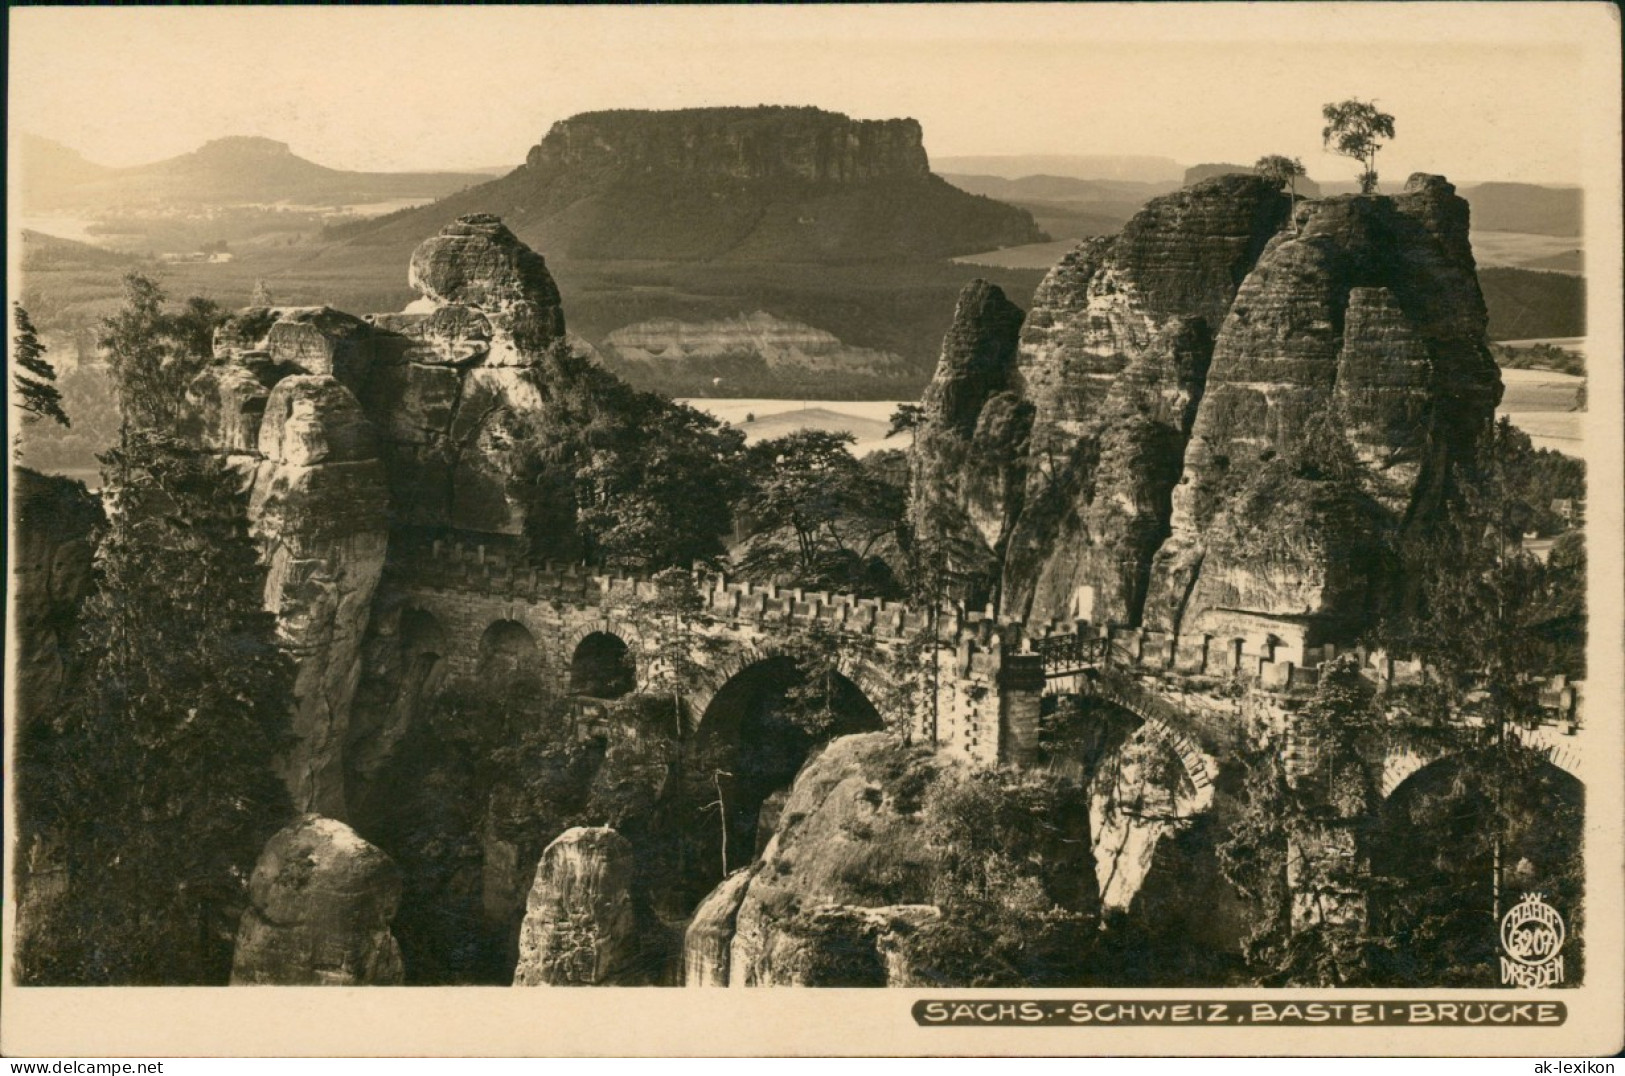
1112,360
1351,372
320,511
844,869
494,284
968,464
806,144
349,426
1230,417
55,521
321,902
51,578
708,939
579,927
444,387
457,376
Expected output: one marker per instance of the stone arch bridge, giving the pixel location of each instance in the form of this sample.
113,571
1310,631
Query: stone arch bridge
982,697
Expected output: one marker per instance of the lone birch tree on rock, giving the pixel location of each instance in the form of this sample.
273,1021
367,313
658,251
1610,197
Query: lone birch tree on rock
1354,128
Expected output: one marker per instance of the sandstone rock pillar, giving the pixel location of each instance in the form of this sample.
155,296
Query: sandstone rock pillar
321,904
709,937
320,511
579,928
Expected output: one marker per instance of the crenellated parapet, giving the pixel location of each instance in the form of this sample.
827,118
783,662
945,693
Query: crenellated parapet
981,656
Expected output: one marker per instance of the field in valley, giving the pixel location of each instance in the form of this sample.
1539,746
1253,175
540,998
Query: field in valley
1539,402
762,419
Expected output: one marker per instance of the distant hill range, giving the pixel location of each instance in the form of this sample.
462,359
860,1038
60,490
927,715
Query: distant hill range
41,251
1067,207
765,184
1307,188
226,171
1526,207
1070,205
1157,170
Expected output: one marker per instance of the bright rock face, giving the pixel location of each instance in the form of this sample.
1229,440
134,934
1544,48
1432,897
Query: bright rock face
811,913
1350,374
708,939
319,509
349,427
321,904
1231,416
579,928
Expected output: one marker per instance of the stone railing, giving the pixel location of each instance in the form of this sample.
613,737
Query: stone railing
1068,648
486,569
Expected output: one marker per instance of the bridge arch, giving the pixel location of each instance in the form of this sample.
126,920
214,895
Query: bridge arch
1459,835
602,666
752,740
1159,720
874,683
1561,751
507,649
1149,775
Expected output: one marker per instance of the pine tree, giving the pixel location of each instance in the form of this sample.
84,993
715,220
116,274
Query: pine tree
34,379
155,354
163,784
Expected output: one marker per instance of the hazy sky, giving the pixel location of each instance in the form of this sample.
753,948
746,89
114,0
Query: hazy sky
1479,91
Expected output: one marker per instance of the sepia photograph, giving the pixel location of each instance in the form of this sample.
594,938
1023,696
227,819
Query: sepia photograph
1100,521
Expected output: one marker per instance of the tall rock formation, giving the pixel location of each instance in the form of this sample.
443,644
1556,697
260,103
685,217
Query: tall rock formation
579,928
321,902
864,873
969,446
1097,400
848,866
1231,417
350,429
742,184
457,374
1350,374
320,512
55,520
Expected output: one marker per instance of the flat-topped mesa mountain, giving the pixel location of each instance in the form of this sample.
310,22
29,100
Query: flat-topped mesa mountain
1217,422
741,184
226,171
